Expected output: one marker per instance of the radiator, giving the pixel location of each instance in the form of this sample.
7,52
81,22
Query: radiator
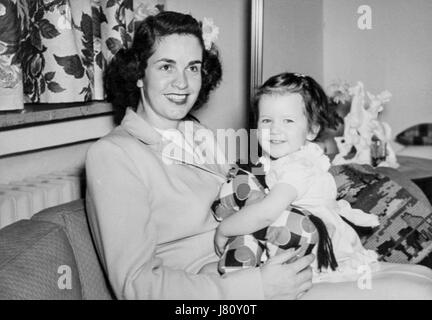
22,199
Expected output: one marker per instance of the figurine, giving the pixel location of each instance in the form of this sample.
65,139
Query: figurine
366,140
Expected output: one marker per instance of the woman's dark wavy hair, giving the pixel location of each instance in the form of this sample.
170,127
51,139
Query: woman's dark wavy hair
315,100
128,65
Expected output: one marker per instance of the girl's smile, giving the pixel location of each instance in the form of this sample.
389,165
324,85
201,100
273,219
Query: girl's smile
274,140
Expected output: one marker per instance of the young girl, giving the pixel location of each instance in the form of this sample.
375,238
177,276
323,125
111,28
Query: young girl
291,111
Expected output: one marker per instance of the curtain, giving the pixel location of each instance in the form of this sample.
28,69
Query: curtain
55,51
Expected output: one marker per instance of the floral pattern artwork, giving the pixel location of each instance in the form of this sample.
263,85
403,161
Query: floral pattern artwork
55,51
10,71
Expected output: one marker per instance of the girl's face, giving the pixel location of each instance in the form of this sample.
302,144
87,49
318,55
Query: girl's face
172,80
282,124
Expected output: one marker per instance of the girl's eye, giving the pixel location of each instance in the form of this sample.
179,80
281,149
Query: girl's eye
265,121
287,121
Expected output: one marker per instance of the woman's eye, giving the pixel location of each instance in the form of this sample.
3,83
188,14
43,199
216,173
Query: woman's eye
287,121
194,68
265,121
166,67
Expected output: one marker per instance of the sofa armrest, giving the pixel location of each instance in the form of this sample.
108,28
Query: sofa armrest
72,218
405,182
37,262
405,216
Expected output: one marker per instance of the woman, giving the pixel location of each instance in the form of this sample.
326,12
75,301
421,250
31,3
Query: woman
152,180
150,211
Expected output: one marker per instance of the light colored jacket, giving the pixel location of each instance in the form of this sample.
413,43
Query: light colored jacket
152,222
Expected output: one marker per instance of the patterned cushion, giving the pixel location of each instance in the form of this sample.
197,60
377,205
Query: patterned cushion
420,134
405,231
32,254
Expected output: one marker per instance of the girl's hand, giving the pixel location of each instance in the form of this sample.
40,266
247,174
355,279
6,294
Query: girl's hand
220,242
287,280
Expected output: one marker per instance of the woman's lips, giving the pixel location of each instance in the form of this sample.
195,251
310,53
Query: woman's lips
177,98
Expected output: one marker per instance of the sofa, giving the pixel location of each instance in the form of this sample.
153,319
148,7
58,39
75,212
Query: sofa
52,256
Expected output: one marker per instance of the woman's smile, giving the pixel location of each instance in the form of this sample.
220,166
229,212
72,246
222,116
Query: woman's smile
178,99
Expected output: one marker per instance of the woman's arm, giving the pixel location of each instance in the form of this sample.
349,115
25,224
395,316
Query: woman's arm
261,214
126,237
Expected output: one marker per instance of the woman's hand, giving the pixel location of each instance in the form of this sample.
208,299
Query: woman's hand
282,280
220,242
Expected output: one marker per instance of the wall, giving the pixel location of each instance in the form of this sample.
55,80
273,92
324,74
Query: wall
18,167
293,37
33,137
227,107
394,55
54,141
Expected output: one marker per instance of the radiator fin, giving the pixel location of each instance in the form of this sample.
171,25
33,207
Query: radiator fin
22,199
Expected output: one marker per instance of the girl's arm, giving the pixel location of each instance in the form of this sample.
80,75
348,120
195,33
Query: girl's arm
261,214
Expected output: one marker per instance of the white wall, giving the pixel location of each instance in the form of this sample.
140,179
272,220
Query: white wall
18,167
396,54
54,140
293,37
54,134
227,107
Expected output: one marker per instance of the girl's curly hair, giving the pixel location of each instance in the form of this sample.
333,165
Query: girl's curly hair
315,100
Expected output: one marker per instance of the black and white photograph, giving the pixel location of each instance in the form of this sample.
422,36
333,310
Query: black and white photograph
228,151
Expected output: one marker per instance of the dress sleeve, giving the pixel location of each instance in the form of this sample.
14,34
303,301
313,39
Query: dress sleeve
297,174
125,237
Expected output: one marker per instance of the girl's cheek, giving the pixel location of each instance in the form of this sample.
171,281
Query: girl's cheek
263,134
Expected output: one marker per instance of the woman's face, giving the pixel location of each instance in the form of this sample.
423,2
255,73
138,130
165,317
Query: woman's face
172,80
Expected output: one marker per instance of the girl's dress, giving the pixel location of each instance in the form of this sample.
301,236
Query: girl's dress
307,171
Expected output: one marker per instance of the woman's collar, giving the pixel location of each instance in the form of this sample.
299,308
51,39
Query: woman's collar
144,131
140,128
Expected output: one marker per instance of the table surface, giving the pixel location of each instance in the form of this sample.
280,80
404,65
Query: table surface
415,168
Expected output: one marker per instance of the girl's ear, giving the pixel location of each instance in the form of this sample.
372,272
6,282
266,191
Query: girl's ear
313,132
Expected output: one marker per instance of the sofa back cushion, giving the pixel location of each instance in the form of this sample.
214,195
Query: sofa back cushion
72,218
37,262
